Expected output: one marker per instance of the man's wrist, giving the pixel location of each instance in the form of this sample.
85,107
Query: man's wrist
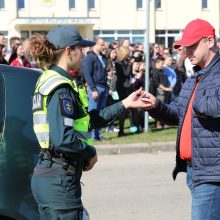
156,103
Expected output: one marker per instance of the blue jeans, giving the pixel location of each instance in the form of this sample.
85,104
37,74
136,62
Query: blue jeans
205,199
98,104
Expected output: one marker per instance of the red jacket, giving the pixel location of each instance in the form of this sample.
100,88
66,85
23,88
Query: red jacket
16,62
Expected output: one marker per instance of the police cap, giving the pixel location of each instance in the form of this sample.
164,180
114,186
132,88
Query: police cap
63,36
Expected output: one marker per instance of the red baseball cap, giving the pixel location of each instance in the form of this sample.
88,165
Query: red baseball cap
194,31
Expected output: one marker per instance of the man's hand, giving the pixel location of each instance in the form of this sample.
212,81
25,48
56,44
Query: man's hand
95,94
91,163
149,100
140,99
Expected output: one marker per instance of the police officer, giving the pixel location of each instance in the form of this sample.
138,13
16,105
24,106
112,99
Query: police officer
62,124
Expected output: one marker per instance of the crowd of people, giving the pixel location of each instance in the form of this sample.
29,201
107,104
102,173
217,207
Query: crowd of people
112,71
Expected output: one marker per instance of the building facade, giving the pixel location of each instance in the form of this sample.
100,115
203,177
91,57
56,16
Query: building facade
112,20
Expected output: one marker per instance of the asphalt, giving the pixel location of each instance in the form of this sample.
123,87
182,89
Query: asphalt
106,149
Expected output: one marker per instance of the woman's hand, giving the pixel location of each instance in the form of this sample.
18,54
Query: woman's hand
91,163
134,100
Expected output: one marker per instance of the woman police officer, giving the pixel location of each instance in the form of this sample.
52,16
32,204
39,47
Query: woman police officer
62,124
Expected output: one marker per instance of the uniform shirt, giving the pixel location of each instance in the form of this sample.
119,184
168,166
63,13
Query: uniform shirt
61,120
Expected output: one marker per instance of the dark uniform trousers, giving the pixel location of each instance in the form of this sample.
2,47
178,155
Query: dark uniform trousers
63,200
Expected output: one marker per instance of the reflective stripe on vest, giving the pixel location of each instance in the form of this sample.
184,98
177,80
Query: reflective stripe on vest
48,81
83,97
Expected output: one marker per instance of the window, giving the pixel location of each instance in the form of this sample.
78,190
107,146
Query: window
138,32
138,40
166,37
108,32
123,32
108,39
20,4
24,34
139,4
133,35
160,32
72,4
204,4
2,4
157,4
173,31
96,33
91,4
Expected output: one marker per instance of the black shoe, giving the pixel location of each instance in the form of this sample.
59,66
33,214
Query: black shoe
121,134
140,130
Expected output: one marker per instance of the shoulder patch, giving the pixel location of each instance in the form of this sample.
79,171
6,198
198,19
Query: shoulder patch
66,105
37,102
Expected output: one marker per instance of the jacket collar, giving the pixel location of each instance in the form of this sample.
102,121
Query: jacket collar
206,70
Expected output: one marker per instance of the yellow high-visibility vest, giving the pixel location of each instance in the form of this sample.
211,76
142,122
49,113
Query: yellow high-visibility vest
47,82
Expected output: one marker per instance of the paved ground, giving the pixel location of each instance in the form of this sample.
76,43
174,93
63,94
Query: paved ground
136,187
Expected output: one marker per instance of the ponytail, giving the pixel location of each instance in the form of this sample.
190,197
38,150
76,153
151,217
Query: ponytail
43,51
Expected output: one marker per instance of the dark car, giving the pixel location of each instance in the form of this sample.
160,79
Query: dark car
18,144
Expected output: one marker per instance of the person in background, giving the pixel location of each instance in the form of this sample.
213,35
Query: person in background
12,42
180,70
139,47
188,67
125,43
111,81
80,76
27,54
197,112
17,57
95,74
171,76
154,53
123,85
137,82
63,125
161,49
161,85
3,52
114,45
166,52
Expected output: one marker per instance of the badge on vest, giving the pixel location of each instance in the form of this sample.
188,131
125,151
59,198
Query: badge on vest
37,102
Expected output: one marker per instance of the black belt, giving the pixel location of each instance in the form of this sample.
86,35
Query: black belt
71,170
189,163
49,155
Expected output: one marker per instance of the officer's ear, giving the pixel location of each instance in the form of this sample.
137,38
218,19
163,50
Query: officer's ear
68,51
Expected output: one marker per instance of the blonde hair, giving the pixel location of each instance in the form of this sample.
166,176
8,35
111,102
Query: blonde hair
43,51
123,53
